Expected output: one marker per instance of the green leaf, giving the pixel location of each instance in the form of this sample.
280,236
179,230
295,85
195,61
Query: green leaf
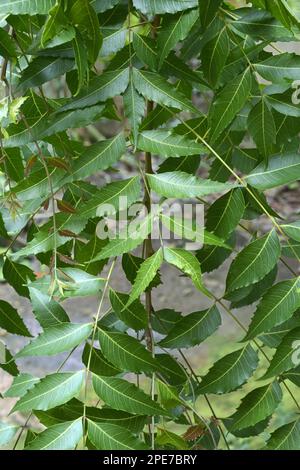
261,126
286,356
126,352
292,230
187,263
42,70
86,20
63,436
21,384
37,184
182,185
251,430
283,12
55,23
131,265
7,46
76,283
99,156
249,295
48,126
174,28
293,375
107,85
168,396
225,213
103,5
46,239
283,103
164,320
94,360
7,362
280,68
262,25
214,56
11,321
175,66
274,337
285,438
47,312
156,88
168,144
229,102
192,329
14,164
254,262
51,391
110,196
281,169
75,409
125,396
134,108
128,239
145,275
277,305
163,6
145,49
211,257
17,275
208,9
230,372
255,407
81,60
57,339
7,432
245,159
172,371
166,438
106,436
26,7
185,229
113,40
135,316
86,252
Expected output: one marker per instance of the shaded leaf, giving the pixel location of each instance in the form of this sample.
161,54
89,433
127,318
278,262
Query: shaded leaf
192,329
230,372
11,321
255,407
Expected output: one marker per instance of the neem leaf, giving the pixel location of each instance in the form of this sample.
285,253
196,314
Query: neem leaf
255,407
51,391
63,436
254,262
125,396
277,305
192,329
57,339
230,372
11,321
126,352
110,436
